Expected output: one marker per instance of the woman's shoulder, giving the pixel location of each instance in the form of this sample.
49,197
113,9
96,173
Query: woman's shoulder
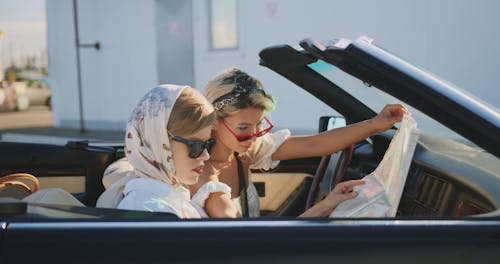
146,185
263,148
116,171
153,195
268,143
208,188
145,201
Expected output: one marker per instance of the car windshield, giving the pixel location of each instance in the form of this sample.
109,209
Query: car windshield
377,99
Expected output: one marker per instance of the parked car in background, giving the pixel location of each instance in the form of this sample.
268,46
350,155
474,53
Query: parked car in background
7,97
449,211
13,97
24,89
37,88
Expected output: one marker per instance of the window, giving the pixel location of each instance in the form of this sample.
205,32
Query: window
222,16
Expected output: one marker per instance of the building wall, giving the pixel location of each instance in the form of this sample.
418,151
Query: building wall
114,77
174,41
456,39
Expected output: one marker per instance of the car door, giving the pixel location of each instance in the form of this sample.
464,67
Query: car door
76,166
283,190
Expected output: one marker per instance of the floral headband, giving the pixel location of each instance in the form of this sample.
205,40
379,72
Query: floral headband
238,91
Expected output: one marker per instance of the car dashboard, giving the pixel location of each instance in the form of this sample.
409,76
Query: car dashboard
446,178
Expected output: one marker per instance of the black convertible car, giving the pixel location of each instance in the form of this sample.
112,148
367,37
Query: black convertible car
449,211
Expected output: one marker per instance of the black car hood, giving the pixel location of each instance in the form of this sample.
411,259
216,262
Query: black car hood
378,68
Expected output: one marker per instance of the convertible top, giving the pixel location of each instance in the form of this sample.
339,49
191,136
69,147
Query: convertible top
377,67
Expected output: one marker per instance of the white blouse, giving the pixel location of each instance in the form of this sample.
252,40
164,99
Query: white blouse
147,194
201,196
260,158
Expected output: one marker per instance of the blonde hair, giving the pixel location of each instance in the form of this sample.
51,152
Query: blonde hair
190,113
225,82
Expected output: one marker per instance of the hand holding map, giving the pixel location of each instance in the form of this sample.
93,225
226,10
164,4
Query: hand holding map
381,193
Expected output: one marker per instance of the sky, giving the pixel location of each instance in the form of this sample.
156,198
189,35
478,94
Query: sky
24,30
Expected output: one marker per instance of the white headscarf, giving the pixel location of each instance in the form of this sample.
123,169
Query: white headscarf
147,144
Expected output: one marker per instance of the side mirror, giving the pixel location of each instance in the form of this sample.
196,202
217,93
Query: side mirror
331,122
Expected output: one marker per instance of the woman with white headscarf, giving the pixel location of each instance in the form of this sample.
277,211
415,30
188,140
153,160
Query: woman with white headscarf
166,143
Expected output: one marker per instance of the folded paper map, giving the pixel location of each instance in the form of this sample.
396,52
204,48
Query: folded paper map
381,193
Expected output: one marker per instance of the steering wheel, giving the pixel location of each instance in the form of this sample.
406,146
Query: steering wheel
331,170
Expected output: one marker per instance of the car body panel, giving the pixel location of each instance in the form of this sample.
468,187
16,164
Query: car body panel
249,241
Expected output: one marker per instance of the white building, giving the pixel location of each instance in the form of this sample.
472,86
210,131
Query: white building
143,43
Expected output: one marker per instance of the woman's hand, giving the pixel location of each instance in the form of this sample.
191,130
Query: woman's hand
342,191
390,114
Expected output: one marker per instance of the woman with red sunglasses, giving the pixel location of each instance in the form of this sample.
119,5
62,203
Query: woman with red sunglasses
244,143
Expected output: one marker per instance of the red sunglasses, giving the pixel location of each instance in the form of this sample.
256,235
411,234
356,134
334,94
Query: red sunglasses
242,138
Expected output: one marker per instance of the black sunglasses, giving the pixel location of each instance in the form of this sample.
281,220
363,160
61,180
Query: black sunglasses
196,147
